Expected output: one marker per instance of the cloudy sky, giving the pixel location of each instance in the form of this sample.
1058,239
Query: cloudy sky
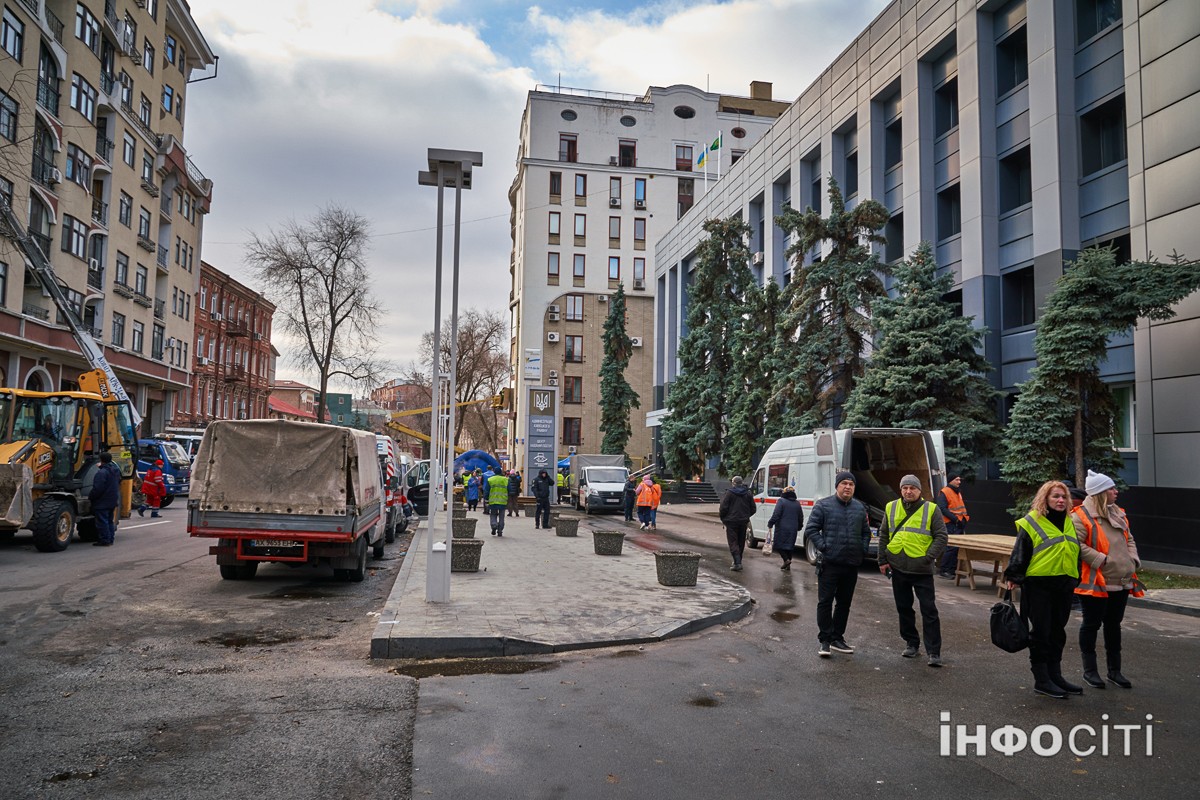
336,101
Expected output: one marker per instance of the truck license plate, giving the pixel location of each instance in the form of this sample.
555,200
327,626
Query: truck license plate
611,500
273,543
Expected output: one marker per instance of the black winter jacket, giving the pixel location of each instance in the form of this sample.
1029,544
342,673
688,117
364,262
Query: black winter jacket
737,505
542,485
786,520
840,531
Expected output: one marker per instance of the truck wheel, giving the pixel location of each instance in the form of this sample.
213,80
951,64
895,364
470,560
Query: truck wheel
239,572
53,525
166,501
377,550
359,572
86,529
810,551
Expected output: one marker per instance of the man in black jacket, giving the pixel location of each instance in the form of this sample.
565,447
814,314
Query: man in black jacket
543,484
737,507
104,497
841,533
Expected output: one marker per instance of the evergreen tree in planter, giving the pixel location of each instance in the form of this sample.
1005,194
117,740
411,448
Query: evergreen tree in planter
830,303
701,397
760,346
617,397
927,371
1062,422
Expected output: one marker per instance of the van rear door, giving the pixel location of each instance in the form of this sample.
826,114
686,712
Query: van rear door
935,443
827,455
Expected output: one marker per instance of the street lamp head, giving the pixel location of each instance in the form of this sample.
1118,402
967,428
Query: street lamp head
455,167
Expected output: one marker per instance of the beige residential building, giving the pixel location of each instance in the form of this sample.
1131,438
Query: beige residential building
93,102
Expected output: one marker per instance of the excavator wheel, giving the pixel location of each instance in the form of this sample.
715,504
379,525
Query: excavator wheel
53,525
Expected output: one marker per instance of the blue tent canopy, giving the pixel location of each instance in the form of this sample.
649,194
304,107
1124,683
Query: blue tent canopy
476,459
564,463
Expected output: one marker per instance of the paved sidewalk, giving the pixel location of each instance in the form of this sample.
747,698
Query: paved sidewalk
537,593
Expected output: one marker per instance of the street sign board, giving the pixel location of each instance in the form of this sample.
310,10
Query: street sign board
541,424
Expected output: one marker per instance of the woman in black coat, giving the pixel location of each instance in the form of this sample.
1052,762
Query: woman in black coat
787,520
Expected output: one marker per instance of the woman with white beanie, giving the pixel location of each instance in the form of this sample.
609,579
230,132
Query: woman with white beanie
1107,576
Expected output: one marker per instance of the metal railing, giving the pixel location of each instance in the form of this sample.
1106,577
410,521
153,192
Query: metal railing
164,206
56,25
150,186
162,256
43,241
48,95
100,211
146,243
32,5
596,93
160,309
104,146
32,310
43,172
95,278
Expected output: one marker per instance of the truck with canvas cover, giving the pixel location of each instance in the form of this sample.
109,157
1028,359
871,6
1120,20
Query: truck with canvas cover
878,457
294,493
50,446
598,482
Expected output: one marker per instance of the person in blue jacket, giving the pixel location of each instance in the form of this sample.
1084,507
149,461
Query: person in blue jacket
474,486
105,496
841,532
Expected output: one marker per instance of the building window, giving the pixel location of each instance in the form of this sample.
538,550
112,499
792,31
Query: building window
581,187
578,267
1017,298
1102,136
555,223
614,231
639,232
572,431
580,225
79,167
639,269
893,144
555,186
125,210
683,157
147,167
814,189
10,110
893,232
139,335
121,276
574,348
945,108
573,389
686,196
144,223
83,97
735,156
574,306
627,153
1012,62
552,267
144,111
169,50
6,189
148,56
3,283
128,149
168,98
1091,17
568,147
614,268
141,279
118,330
949,213
12,35
639,190
74,236
614,189
851,176
1124,434
157,336
87,28
1016,181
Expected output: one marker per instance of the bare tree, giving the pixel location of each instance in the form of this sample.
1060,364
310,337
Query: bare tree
317,276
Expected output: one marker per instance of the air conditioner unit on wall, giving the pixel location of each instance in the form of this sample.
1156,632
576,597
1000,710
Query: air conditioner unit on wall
552,336
641,204
636,341
603,298
612,161
94,264
639,284
553,317
201,361
553,373
757,258
553,308
614,202
552,381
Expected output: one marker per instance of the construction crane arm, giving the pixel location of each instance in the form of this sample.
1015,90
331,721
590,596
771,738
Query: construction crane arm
416,434
414,411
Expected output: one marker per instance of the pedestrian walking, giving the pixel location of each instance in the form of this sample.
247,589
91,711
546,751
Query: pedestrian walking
514,492
786,520
560,481
631,486
1045,564
543,486
841,533
954,515
911,540
649,494
104,497
497,498
736,509
1107,576
474,490
154,489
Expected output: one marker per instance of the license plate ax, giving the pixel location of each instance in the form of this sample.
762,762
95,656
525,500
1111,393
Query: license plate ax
274,543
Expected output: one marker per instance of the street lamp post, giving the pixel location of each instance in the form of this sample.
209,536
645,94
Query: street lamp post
446,168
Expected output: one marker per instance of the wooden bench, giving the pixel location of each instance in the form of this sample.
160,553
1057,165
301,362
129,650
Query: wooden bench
993,549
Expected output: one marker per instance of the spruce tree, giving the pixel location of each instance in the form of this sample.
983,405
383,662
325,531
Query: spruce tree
1062,422
617,397
757,361
830,305
701,397
927,371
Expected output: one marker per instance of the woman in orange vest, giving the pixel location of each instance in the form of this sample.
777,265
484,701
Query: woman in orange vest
1107,576
649,494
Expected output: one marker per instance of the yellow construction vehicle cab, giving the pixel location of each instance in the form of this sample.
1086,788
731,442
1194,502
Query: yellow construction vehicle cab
50,445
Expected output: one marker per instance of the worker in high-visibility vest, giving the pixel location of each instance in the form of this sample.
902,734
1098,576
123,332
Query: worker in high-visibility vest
561,483
1045,564
954,514
497,499
911,539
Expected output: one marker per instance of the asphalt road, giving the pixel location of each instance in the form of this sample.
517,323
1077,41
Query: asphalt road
134,671
749,710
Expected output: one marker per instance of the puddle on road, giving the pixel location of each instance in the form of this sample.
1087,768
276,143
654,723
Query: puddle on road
626,653
704,702
784,616
302,592
255,638
73,776
470,666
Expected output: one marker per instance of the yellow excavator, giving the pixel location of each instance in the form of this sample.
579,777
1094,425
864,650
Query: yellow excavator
50,445
399,427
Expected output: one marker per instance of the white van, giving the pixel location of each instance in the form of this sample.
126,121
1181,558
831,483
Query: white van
878,457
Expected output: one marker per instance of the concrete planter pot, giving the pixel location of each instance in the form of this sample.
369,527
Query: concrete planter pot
677,567
566,526
459,512
464,528
608,543
464,555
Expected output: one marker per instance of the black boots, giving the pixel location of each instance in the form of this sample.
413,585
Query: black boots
1042,684
1114,671
1091,676
1056,675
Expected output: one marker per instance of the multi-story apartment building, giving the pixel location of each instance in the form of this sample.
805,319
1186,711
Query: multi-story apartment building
400,395
92,114
600,177
231,371
1010,135
292,399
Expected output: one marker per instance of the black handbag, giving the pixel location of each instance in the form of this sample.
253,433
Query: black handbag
1010,630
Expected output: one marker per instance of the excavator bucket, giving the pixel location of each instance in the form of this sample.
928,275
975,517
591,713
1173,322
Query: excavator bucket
16,495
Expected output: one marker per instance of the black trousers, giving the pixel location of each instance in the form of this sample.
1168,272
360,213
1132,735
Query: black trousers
630,500
735,535
541,513
1106,612
904,586
835,592
1046,601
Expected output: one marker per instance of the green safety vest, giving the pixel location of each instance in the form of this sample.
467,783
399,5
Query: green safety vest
498,490
914,535
561,480
1055,552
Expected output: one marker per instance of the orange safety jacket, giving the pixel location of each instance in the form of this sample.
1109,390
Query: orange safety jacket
955,505
1091,581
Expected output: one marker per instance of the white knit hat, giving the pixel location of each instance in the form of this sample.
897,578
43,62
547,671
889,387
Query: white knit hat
1097,482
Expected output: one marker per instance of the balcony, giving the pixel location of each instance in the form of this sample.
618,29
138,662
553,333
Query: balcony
145,126
56,25
33,310
42,240
110,13
95,333
48,95
32,5
45,173
161,258
146,243
100,211
164,207
108,82
123,290
95,278
104,146
234,327
142,300
235,373
156,353
160,309
150,186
